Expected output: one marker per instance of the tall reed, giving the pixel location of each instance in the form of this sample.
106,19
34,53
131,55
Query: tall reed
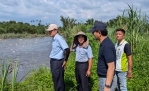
14,74
5,71
135,23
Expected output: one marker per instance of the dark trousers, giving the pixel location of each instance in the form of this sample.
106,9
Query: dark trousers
81,78
57,74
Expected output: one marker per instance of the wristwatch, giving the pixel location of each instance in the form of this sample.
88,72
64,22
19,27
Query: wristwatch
107,86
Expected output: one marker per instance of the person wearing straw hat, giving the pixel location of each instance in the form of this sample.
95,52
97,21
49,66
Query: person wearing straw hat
106,56
83,60
59,56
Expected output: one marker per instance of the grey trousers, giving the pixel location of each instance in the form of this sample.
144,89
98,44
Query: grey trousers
102,84
81,78
57,74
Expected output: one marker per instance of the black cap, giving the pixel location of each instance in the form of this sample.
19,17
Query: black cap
98,26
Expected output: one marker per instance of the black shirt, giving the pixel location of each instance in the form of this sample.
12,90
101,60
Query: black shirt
107,54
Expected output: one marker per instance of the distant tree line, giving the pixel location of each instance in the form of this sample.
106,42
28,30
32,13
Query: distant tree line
67,23
20,27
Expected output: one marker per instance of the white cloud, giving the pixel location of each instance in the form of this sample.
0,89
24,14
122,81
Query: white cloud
49,11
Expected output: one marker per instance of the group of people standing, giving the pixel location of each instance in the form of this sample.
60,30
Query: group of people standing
114,61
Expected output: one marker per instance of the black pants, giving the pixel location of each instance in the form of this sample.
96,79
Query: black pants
81,78
57,74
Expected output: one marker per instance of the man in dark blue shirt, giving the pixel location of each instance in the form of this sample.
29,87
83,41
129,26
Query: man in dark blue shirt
106,57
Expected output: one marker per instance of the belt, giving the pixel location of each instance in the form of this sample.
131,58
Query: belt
53,59
81,62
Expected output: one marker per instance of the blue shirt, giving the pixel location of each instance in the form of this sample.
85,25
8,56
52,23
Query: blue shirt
83,54
107,54
58,46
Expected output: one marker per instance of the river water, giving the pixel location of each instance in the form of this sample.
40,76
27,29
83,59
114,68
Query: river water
31,53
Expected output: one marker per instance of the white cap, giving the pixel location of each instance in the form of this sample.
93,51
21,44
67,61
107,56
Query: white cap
51,27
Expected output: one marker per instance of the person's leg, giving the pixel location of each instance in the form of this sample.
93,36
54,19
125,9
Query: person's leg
122,81
79,88
61,79
101,83
57,75
114,83
84,79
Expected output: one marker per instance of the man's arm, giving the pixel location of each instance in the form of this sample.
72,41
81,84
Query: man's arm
66,55
110,58
110,73
127,50
129,73
64,46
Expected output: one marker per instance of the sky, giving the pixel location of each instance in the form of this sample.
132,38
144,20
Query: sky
49,11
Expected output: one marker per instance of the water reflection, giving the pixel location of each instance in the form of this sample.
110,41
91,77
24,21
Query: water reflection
30,53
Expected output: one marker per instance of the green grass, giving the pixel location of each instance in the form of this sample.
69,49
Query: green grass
4,74
41,80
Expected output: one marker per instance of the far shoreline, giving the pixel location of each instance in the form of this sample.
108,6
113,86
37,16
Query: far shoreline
16,36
